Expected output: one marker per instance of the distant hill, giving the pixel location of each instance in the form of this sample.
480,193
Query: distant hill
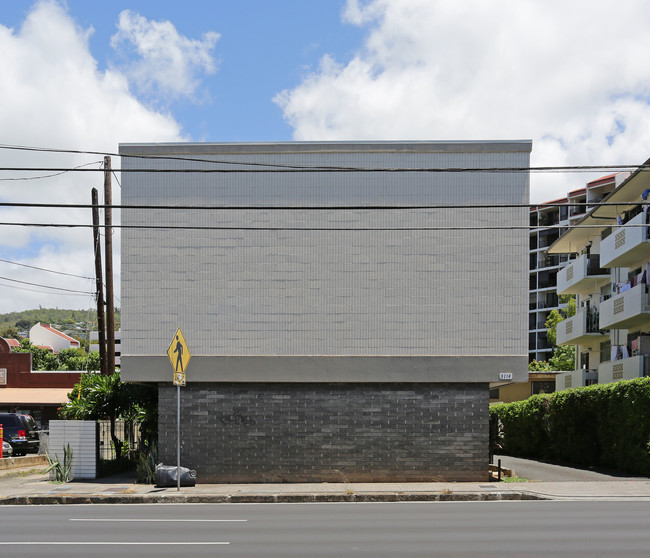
59,318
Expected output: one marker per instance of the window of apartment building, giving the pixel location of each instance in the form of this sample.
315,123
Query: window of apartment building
544,386
578,209
606,292
584,361
548,237
606,351
605,233
634,274
532,321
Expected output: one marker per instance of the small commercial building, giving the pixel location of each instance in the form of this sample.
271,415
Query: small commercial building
37,393
538,383
346,304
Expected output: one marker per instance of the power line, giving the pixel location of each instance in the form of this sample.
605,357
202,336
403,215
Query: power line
286,167
46,286
286,228
161,157
16,179
315,207
39,291
395,170
116,179
48,270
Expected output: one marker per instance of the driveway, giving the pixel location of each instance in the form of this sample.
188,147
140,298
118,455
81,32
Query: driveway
541,471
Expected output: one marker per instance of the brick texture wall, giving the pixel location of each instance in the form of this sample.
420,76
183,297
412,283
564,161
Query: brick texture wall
269,432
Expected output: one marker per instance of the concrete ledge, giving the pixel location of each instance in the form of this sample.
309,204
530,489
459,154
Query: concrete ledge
494,470
19,462
264,498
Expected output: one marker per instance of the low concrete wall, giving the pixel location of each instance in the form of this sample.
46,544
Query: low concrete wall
19,462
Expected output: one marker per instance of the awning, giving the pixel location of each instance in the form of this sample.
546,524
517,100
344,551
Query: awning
34,396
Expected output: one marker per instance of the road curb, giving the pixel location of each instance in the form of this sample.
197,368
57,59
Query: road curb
55,499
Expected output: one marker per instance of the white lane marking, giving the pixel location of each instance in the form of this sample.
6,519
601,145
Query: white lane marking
105,543
168,520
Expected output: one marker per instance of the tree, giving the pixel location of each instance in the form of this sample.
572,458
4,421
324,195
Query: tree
9,332
539,366
67,359
99,397
557,316
563,358
39,356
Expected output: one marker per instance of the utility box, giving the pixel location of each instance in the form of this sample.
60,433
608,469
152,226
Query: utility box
81,435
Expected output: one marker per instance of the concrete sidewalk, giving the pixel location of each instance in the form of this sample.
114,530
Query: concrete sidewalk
32,486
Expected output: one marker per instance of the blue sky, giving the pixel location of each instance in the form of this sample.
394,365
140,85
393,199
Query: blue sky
265,46
570,76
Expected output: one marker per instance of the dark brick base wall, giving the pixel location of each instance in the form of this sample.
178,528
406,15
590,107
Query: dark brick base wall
328,432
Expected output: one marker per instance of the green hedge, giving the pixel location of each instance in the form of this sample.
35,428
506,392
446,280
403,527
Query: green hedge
604,425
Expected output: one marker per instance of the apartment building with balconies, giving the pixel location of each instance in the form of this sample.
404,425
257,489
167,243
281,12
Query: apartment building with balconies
609,277
548,222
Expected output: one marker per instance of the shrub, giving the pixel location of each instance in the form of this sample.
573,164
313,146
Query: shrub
605,425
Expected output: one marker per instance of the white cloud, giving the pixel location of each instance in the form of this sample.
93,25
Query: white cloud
52,94
168,63
571,76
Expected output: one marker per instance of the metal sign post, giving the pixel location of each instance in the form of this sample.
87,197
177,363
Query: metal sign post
178,437
179,356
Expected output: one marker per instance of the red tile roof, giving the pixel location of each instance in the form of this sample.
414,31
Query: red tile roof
601,180
72,340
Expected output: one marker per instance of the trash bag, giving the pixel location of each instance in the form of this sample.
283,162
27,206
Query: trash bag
166,476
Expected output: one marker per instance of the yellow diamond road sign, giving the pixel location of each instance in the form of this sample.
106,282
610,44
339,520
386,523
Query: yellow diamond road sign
179,356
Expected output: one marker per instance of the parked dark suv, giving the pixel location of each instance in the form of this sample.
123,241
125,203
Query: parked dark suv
21,431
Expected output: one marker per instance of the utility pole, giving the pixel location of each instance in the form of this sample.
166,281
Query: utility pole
108,251
99,283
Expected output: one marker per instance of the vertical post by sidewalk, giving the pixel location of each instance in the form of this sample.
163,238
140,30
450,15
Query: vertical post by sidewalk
179,356
108,251
99,285
178,437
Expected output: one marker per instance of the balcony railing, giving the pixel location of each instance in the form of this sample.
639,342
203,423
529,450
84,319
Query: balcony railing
626,246
624,369
581,329
575,378
582,276
627,310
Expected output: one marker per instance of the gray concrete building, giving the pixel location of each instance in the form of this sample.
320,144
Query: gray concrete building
346,304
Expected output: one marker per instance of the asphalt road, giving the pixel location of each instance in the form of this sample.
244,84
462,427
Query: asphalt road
486,529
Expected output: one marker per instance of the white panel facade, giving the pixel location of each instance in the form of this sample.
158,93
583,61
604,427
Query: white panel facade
81,436
338,289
